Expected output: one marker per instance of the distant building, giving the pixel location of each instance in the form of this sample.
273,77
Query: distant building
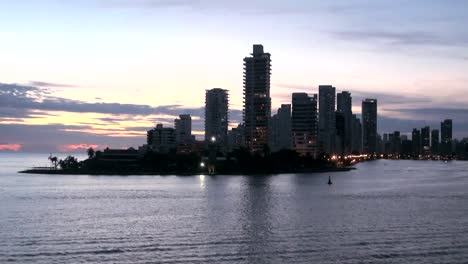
356,143
369,126
257,101
406,148
236,138
435,140
304,124
327,123
161,139
216,116
281,128
340,133
118,156
416,140
344,105
183,129
393,145
446,137
426,140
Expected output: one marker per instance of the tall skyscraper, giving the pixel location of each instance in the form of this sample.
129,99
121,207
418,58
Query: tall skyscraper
416,140
216,116
435,142
281,128
356,146
257,101
304,124
327,123
369,126
426,140
183,129
344,105
446,137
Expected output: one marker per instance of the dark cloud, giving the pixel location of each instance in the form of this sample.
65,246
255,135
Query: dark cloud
459,114
407,38
51,85
26,97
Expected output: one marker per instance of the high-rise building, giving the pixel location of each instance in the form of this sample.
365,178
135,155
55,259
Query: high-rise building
369,126
435,142
281,129
416,140
426,140
257,101
340,133
216,116
356,146
183,129
446,137
344,105
161,139
304,124
327,123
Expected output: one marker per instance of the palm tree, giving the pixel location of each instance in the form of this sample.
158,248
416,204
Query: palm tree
91,153
54,161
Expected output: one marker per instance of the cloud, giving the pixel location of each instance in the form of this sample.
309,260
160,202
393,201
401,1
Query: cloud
407,38
10,147
78,147
51,85
433,114
28,97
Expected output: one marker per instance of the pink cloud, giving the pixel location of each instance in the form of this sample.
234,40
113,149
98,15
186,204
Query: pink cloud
75,147
10,147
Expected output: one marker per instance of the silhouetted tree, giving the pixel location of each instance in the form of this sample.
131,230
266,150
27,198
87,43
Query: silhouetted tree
69,163
54,161
91,153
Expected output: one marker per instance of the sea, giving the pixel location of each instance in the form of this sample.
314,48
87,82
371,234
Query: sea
385,211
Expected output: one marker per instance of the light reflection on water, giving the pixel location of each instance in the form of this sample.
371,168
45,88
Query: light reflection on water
384,212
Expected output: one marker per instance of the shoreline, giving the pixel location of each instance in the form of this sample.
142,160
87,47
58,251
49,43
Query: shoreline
148,173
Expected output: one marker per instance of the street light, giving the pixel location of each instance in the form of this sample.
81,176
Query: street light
213,139
202,164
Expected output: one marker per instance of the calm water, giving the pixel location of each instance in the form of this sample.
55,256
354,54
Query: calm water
384,212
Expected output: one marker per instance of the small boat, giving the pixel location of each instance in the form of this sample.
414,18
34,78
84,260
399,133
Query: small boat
329,181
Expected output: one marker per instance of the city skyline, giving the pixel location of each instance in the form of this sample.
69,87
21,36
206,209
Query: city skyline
63,102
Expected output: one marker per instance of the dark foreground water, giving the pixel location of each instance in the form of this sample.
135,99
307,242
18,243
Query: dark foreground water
384,212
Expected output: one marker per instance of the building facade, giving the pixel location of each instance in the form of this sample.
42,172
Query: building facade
344,106
161,139
281,129
257,101
369,126
327,123
304,124
183,129
446,137
435,140
216,115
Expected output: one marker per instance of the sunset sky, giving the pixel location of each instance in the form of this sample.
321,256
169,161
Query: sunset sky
101,73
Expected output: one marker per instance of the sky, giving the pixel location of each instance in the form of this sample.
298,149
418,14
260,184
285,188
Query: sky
75,74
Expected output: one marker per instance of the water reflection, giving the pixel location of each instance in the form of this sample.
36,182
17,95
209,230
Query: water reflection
256,218
201,180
